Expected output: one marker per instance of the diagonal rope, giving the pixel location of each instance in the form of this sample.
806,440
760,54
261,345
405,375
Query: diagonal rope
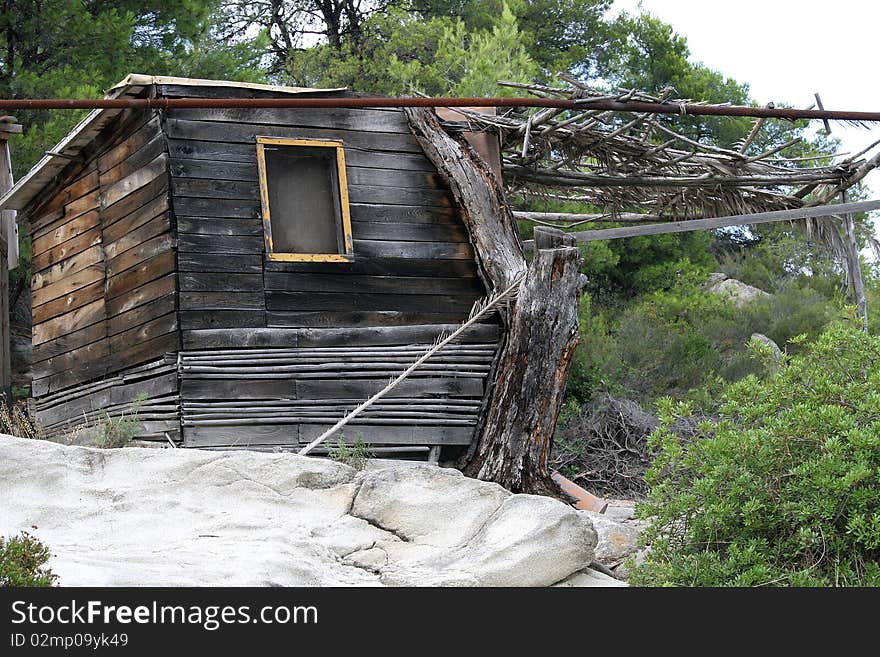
479,310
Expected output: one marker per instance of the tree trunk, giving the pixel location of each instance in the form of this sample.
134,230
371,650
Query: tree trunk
515,437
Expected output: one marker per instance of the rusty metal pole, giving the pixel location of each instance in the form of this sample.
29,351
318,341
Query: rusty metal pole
641,107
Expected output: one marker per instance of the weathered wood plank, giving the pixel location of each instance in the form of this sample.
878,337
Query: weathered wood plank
363,230
139,159
69,342
150,239
247,172
324,319
69,322
141,314
141,295
222,319
90,353
372,266
138,335
201,282
68,249
208,207
133,354
134,181
341,283
363,301
136,204
246,153
68,285
133,221
154,268
426,250
242,190
222,301
232,244
130,145
213,262
219,226
360,120
68,302
350,388
247,134
57,235
332,337
84,184
55,273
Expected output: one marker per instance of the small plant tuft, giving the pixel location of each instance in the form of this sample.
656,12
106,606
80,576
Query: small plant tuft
23,562
355,455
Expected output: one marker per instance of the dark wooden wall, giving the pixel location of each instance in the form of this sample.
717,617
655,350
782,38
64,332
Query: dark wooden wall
104,286
154,246
413,262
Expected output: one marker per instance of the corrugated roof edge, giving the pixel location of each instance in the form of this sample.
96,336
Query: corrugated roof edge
56,159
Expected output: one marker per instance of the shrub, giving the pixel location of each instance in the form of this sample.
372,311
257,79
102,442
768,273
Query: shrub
23,562
785,488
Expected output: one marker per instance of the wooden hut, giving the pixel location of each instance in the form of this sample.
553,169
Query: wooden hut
249,275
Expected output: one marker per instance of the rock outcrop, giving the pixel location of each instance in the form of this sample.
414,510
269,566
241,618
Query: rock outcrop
739,293
189,517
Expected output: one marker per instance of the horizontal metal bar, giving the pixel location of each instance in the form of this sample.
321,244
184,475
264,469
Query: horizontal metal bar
719,222
330,102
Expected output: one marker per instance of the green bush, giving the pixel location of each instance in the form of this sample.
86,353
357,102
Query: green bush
785,488
23,562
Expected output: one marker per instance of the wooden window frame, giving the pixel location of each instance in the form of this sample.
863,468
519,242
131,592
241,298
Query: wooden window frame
342,188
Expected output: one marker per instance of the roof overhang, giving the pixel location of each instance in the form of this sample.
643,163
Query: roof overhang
132,86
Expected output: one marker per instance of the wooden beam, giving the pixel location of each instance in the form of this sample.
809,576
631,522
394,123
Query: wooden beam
720,222
5,217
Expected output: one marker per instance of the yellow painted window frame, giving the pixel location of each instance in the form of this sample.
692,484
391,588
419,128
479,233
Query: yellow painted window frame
347,242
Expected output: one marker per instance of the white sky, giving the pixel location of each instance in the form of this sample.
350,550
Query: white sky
786,50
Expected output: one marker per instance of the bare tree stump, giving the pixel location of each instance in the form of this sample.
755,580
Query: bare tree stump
515,436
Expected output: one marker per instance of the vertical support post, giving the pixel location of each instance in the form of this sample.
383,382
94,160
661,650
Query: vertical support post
7,233
853,266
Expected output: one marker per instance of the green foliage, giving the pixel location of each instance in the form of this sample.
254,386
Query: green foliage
23,562
355,455
400,52
785,488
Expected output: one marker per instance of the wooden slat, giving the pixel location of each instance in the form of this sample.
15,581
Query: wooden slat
246,153
142,314
247,134
341,283
70,248
57,273
141,295
363,230
69,322
143,333
427,250
200,282
214,262
232,244
135,205
219,226
372,266
144,249
139,159
363,301
69,342
222,319
142,136
222,301
65,231
68,285
66,303
360,120
323,319
155,267
134,181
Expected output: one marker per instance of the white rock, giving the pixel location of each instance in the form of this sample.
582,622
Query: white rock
738,292
616,540
590,577
135,517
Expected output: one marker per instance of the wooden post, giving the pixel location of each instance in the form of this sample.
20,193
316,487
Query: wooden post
6,216
516,433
